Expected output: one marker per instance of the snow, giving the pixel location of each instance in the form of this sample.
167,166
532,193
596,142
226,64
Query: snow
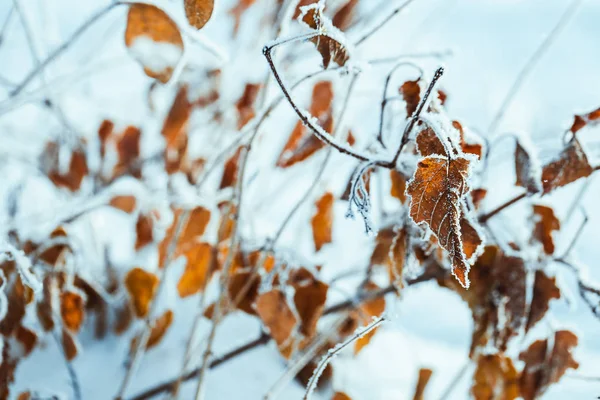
156,56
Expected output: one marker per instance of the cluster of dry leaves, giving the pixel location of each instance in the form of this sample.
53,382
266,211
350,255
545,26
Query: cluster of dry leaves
439,229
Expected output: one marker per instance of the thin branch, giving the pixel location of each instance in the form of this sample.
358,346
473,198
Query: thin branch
380,25
5,24
452,385
312,383
72,373
485,217
576,236
531,63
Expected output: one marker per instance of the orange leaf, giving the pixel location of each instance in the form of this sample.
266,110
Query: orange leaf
70,346
159,328
141,286
545,223
583,120
154,40
274,311
196,271
471,240
322,221
245,105
198,12
329,48
429,144
424,376
495,378
124,203
309,300
231,170
544,290
72,178
466,146
398,185
128,147
104,132
243,289
340,396
175,124
143,228
411,93
344,16
364,340
571,165
71,310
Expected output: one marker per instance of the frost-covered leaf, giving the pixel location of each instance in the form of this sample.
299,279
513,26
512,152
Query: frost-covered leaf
123,203
198,12
544,366
472,243
424,376
141,286
329,42
70,178
469,143
322,221
72,310
571,165
153,40
198,262
411,93
123,318
26,338
309,300
527,173
544,290
44,307
128,149
495,378
276,315
144,231
545,223
429,144
105,131
436,191
580,121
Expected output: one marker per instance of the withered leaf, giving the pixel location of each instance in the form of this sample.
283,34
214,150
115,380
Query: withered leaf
365,313
26,338
345,15
143,229
231,170
544,367
544,290
24,396
123,203
471,239
411,93
154,40
397,256
123,318
70,346
330,48
198,12
158,331
398,185
466,146
429,144
495,378
245,104
340,396
545,223
322,221
78,168
141,286
71,310
571,165
44,308
424,376
525,172
436,191
128,148
309,300
364,340
174,127
243,289
274,311
581,121
196,270
105,131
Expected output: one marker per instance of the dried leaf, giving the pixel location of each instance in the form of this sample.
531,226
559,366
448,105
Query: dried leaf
571,165
198,12
322,221
154,40
471,240
411,93
424,376
124,203
543,367
196,270
24,396
123,318
330,48
243,290
545,223
70,346
174,127
274,311
73,177
436,191
581,121
44,308
364,340
105,131
340,396
231,170
26,338
398,185
525,172
544,290
345,15
245,105
143,229
159,328
466,146
397,256
309,300
141,286
429,144
71,310
128,148
495,378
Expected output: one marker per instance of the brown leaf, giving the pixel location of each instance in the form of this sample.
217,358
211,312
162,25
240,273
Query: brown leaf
340,396
231,170
397,256
322,221
328,46
345,15
24,396
466,146
274,311
383,243
124,203
543,367
429,144
196,270
398,185
309,300
123,318
128,148
71,310
544,290
411,93
545,223
364,340
198,12
495,378
174,127
105,131
571,165
424,376
70,346
44,308
243,290
436,191
245,105
141,286
524,170
581,121
78,168
193,230
26,338
471,240
477,196
143,229
159,328
151,34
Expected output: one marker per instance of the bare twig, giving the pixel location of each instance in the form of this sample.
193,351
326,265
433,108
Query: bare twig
312,383
452,385
485,217
576,236
531,63
72,373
